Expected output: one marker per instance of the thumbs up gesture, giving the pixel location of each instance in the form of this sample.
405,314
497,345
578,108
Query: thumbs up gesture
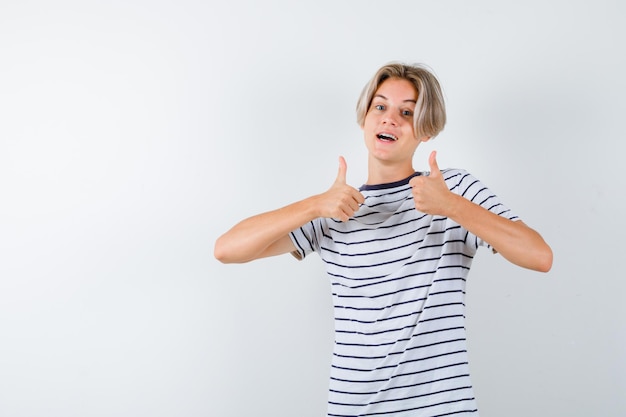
430,193
341,201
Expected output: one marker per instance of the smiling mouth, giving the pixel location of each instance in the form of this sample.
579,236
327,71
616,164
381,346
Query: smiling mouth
386,137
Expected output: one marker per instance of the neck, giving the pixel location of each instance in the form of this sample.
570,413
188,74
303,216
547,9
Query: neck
382,172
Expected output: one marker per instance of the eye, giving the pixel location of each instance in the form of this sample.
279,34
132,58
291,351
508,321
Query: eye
407,113
379,107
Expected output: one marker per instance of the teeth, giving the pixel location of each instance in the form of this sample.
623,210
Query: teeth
386,136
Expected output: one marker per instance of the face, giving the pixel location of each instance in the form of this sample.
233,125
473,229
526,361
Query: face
388,125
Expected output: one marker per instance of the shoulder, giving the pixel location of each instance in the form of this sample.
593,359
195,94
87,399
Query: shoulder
454,173
462,182
457,177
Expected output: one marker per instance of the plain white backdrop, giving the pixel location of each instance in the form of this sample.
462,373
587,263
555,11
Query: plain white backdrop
133,133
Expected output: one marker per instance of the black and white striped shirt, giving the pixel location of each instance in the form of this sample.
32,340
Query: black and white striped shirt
398,285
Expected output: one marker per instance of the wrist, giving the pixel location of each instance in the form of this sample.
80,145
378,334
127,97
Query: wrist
454,208
312,207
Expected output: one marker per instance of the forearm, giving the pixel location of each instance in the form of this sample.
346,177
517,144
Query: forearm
267,234
514,240
255,236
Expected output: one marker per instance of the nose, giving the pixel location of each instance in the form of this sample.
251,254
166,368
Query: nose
390,118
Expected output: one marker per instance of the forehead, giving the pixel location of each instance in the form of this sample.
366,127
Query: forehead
396,88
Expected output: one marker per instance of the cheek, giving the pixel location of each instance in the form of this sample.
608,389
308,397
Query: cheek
411,130
372,117
367,121
368,126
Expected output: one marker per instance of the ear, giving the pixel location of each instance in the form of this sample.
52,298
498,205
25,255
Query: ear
424,139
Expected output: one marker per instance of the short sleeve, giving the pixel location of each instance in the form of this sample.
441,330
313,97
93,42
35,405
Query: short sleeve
306,239
463,183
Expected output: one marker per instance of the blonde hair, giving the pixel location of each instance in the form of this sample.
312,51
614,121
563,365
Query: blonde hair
430,110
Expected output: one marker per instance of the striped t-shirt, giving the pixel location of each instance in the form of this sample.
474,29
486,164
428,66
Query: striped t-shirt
398,287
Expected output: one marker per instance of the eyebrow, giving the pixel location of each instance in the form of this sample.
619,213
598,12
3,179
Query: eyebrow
409,100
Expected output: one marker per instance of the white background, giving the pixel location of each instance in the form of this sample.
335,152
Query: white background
133,133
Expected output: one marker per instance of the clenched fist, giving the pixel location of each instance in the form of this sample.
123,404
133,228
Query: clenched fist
430,193
341,201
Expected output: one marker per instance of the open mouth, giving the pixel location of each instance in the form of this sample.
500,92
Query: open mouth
386,137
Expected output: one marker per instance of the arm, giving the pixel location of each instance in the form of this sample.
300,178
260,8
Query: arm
514,240
267,234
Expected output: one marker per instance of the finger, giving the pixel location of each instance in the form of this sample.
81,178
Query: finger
355,202
343,168
359,197
432,161
345,213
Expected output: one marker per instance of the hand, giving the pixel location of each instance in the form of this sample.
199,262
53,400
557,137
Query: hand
430,193
341,201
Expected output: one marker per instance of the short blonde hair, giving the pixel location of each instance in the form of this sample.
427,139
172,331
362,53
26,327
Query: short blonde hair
430,110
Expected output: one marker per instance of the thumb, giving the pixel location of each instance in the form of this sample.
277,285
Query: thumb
343,168
432,161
